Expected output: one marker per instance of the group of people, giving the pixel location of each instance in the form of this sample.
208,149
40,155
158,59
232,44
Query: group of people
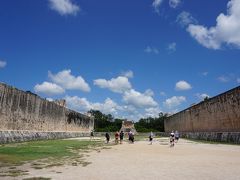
174,137
120,136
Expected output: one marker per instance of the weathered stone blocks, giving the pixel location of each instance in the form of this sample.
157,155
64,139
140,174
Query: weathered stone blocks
24,111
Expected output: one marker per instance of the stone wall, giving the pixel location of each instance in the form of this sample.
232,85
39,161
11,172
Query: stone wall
218,114
25,111
227,137
22,136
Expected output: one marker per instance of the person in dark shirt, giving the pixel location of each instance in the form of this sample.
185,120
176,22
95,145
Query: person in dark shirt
107,137
121,137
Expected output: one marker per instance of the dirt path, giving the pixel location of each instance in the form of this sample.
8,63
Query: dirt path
187,160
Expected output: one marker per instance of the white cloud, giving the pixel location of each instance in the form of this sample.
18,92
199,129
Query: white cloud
185,18
83,105
118,85
149,92
226,30
151,50
68,81
152,112
64,7
108,107
78,104
174,101
182,85
238,80
48,88
224,79
3,64
156,5
174,3
172,47
202,96
138,99
128,74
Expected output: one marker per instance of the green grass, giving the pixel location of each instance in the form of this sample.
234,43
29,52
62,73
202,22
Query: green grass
13,173
19,153
37,178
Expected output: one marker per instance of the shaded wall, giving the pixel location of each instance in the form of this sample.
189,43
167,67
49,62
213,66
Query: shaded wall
218,114
21,110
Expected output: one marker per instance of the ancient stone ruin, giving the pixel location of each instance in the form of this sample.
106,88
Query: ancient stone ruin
128,126
216,118
26,116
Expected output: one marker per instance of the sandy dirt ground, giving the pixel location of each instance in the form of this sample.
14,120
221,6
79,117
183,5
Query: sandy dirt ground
187,160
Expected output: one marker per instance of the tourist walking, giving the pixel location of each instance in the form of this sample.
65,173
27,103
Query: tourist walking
121,137
176,134
151,137
172,138
116,137
91,135
107,137
131,137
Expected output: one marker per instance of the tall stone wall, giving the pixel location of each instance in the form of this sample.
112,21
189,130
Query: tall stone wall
25,111
218,114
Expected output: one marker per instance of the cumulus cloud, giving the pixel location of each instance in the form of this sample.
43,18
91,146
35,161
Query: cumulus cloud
64,7
118,85
83,105
152,112
108,107
174,101
128,74
139,100
185,18
174,3
202,96
182,85
68,81
156,5
48,88
172,47
3,64
78,104
226,30
151,50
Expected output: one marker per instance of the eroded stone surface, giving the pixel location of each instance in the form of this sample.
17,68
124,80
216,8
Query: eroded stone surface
25,111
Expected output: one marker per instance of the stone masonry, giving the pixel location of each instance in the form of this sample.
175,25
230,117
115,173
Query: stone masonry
218,114
25,111
214,117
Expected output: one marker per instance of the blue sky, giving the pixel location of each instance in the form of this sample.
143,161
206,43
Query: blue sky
129,58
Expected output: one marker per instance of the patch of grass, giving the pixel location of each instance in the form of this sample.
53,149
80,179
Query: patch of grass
13,173
53,165
140,137
74,164
37,167
19,153
37,178
84,164
13,167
